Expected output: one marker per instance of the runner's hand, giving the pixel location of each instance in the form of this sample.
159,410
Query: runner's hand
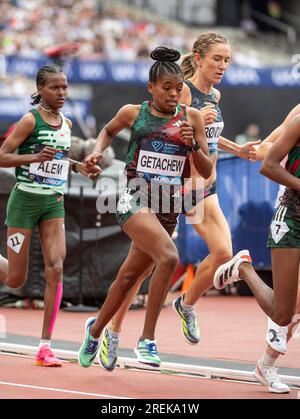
92,159
186,133
209,114
92,172
248,150
46,154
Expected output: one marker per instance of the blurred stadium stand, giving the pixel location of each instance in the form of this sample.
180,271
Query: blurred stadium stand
115,40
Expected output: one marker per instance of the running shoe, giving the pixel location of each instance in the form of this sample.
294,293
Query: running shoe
108,350
189,326
277,337
45,357
88,350
146,352
268,377
3,268
229,272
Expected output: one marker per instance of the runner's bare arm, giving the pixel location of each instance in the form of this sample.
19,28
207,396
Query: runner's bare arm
242,151
201,159
271,166
262,149
23,129
123,119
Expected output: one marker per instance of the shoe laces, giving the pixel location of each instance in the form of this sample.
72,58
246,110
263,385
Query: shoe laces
112,344
47,352
191,318
151,346
282,332
271,374
91,346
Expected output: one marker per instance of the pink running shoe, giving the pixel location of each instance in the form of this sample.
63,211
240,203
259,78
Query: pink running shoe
45,358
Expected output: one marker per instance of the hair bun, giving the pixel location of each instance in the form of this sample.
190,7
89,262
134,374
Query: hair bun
165,54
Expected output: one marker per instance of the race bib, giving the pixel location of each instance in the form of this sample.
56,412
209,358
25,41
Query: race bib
50,173
278,230
213,132
161,161
15,242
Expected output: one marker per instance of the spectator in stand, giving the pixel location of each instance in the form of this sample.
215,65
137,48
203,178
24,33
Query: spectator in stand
251,134
27,27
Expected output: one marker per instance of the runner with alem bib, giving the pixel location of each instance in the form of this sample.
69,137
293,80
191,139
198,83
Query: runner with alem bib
42,138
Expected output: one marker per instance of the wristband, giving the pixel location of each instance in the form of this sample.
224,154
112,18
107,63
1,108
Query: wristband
195,147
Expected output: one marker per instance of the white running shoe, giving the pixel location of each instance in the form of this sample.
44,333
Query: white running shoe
229,271
277,336
3,268
268,377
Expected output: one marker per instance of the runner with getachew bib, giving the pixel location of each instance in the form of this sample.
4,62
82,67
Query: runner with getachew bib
164,134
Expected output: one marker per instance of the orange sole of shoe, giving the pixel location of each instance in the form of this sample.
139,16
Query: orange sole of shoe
42,364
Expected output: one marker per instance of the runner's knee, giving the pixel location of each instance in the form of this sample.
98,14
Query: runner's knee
54,272
283,317
127,281
168,259
16,280
221,256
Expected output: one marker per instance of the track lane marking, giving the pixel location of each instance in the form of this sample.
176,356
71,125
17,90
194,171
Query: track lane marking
5,383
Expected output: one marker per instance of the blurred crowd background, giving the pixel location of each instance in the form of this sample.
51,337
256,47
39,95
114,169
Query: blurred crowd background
129,30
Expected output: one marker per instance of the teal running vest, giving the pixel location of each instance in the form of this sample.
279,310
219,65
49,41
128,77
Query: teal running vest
214,130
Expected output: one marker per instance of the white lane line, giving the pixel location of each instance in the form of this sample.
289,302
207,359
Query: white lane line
107,396
198,371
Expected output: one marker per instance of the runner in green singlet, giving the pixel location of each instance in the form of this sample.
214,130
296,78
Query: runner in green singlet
203,68
284,241
42,139
163,137
276,336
